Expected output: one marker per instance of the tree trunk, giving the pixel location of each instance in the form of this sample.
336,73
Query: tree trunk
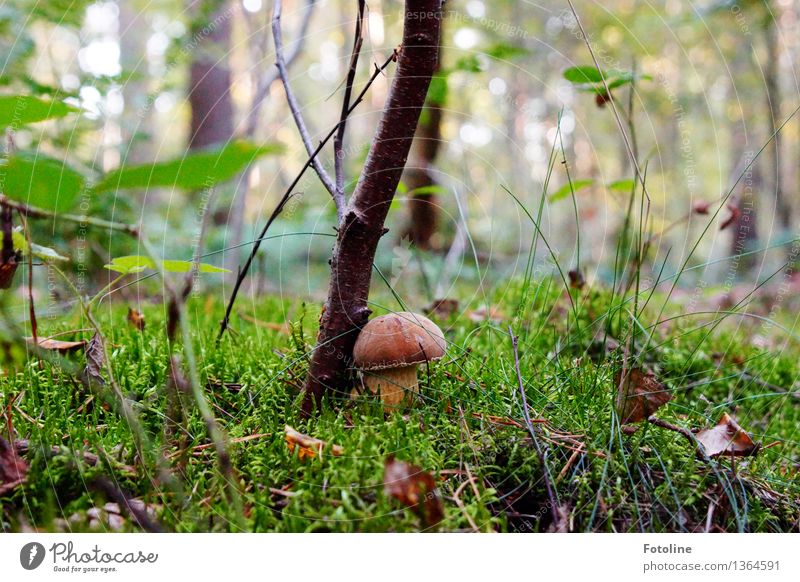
420,178
771,80
358,235
210,77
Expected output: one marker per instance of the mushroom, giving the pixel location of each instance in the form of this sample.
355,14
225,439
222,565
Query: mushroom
388,350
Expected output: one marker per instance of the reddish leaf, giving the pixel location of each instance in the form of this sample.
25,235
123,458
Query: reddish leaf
701,207
136,318
734,216
414,488
308,447
639,394
727,438
12,469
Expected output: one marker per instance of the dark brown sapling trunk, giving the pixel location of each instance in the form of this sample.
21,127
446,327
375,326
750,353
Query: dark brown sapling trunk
346,309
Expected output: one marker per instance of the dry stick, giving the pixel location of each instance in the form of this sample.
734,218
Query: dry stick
540,452
338,141
135,510
289,193
280,63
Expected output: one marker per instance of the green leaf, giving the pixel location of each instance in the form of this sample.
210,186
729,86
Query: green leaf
469,64
624,185
584,74
16,110
566,189
37,180
38,251
437,91
434,189
191,172
138,263
505,52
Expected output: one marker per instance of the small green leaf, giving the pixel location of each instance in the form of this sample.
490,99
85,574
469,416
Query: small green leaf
38,251
505,52
137,263
16,110
434,189
437,91
37,180
584,74
566,189
624,185
191,172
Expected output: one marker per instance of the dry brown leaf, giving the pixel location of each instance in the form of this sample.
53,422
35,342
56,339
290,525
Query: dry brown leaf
55,345
414,488
7,271
308,447
483,313
12,469
639,394
442,308
136,318
95,360
727,438
576,279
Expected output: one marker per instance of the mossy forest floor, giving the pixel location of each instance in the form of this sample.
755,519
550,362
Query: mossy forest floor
467,429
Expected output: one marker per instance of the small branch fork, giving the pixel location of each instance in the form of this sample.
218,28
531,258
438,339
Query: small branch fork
290,192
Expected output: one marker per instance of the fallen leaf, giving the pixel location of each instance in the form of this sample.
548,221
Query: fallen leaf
576,279
54,345
414,488
639,394
95,360
12,469
442,308
734,216
136,318
727,438
308,447
484,313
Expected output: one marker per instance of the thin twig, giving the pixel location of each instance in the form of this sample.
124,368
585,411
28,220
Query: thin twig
294,107
540,452
265,83
34,212
338,141
289,193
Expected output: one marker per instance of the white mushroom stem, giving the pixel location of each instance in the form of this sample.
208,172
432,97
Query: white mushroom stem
392,384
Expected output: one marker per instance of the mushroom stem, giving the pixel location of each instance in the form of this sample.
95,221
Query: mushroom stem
392,384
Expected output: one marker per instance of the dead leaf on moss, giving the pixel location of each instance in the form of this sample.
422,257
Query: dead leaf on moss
95,360
442,308
308,447
59,346
414,488
136,318
13,470
727,438
482,314
639,394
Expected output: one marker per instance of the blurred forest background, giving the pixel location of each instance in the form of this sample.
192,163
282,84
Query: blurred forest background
709,83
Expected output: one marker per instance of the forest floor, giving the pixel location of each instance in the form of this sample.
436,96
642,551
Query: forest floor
467,436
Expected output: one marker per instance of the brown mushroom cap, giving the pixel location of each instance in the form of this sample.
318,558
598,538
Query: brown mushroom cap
396,340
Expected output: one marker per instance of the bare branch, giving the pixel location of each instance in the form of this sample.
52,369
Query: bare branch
295,109
338,141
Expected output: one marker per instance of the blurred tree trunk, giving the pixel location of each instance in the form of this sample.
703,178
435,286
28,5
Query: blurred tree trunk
209,74
346,309
772,85
420,176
